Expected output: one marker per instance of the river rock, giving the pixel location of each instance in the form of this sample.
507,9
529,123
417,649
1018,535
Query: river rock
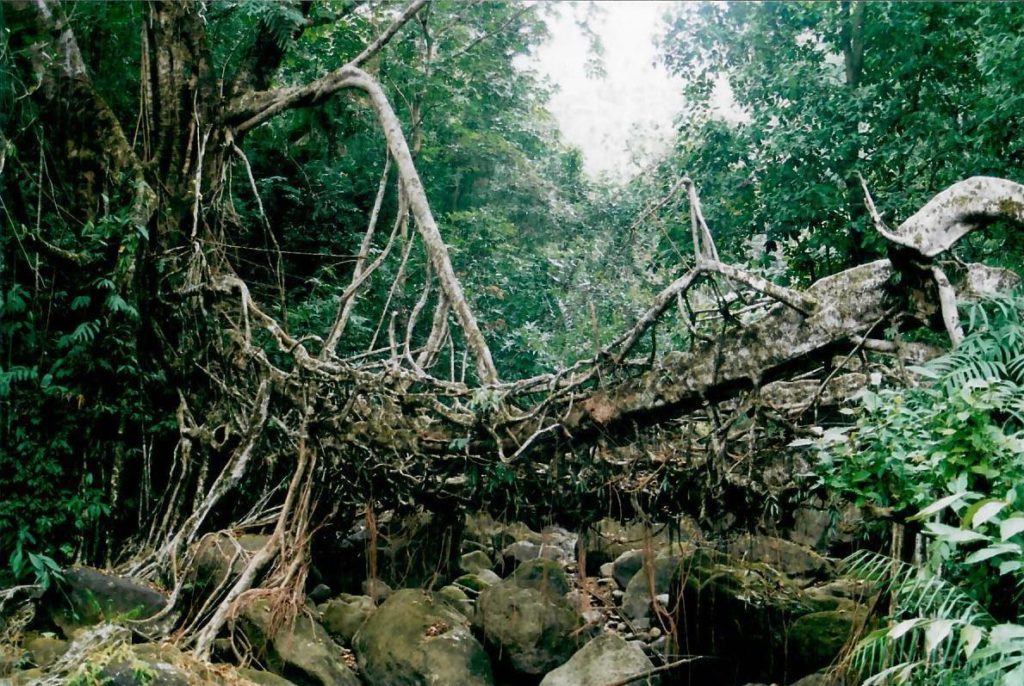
475,561
815,640
299,647
637,598
44,650
626,565
417,638
738,612
528,620
605,659
793,560
89,596
342,616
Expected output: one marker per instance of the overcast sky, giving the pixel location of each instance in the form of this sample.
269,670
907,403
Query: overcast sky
623,120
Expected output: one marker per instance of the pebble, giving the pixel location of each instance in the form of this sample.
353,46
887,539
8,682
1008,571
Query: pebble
655,632
607,569
617,594
662,598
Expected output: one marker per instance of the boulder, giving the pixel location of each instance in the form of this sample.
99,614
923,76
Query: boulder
626,565
637,598
89,596
738,612
815,640
417,638
220,556
147,668
528,620
342,616
608,539
321,593
604,660
377,589
791,559
299,647
459,599
44,650
476,583
475,561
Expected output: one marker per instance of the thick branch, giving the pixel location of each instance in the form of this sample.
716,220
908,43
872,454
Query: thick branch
958,210
252,109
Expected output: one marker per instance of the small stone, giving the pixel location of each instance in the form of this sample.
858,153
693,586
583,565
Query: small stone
376,589
661,599
617,594
321,593
607,569
629,636
655,632
475,562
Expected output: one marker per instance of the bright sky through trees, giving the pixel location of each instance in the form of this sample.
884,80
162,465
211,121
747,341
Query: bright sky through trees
622,120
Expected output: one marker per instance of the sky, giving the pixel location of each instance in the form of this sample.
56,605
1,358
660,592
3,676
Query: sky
623,121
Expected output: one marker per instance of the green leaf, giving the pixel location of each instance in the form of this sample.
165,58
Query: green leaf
982,511
903,627
954,534
1011,527
938,505
936,632
992,551
970,637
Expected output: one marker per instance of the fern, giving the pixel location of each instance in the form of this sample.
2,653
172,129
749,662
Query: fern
993,348
935,632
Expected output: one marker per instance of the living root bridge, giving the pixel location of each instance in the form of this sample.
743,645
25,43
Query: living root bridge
390,430
280,432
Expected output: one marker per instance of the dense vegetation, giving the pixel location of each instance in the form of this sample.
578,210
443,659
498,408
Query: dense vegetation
104,350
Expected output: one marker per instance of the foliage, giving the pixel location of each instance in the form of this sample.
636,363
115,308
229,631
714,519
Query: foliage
959,430
953,444
926,96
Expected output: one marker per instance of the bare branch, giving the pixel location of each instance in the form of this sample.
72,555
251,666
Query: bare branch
958,210
947,302
252,109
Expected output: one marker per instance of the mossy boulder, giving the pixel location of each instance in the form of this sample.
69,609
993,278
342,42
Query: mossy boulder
89,596
816,639
528,620
737,611
261,678
44,650
792,559
475,561
342,616
476,583
459,599
300,649
417,638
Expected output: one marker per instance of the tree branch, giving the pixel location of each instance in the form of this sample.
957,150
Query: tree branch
252,109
